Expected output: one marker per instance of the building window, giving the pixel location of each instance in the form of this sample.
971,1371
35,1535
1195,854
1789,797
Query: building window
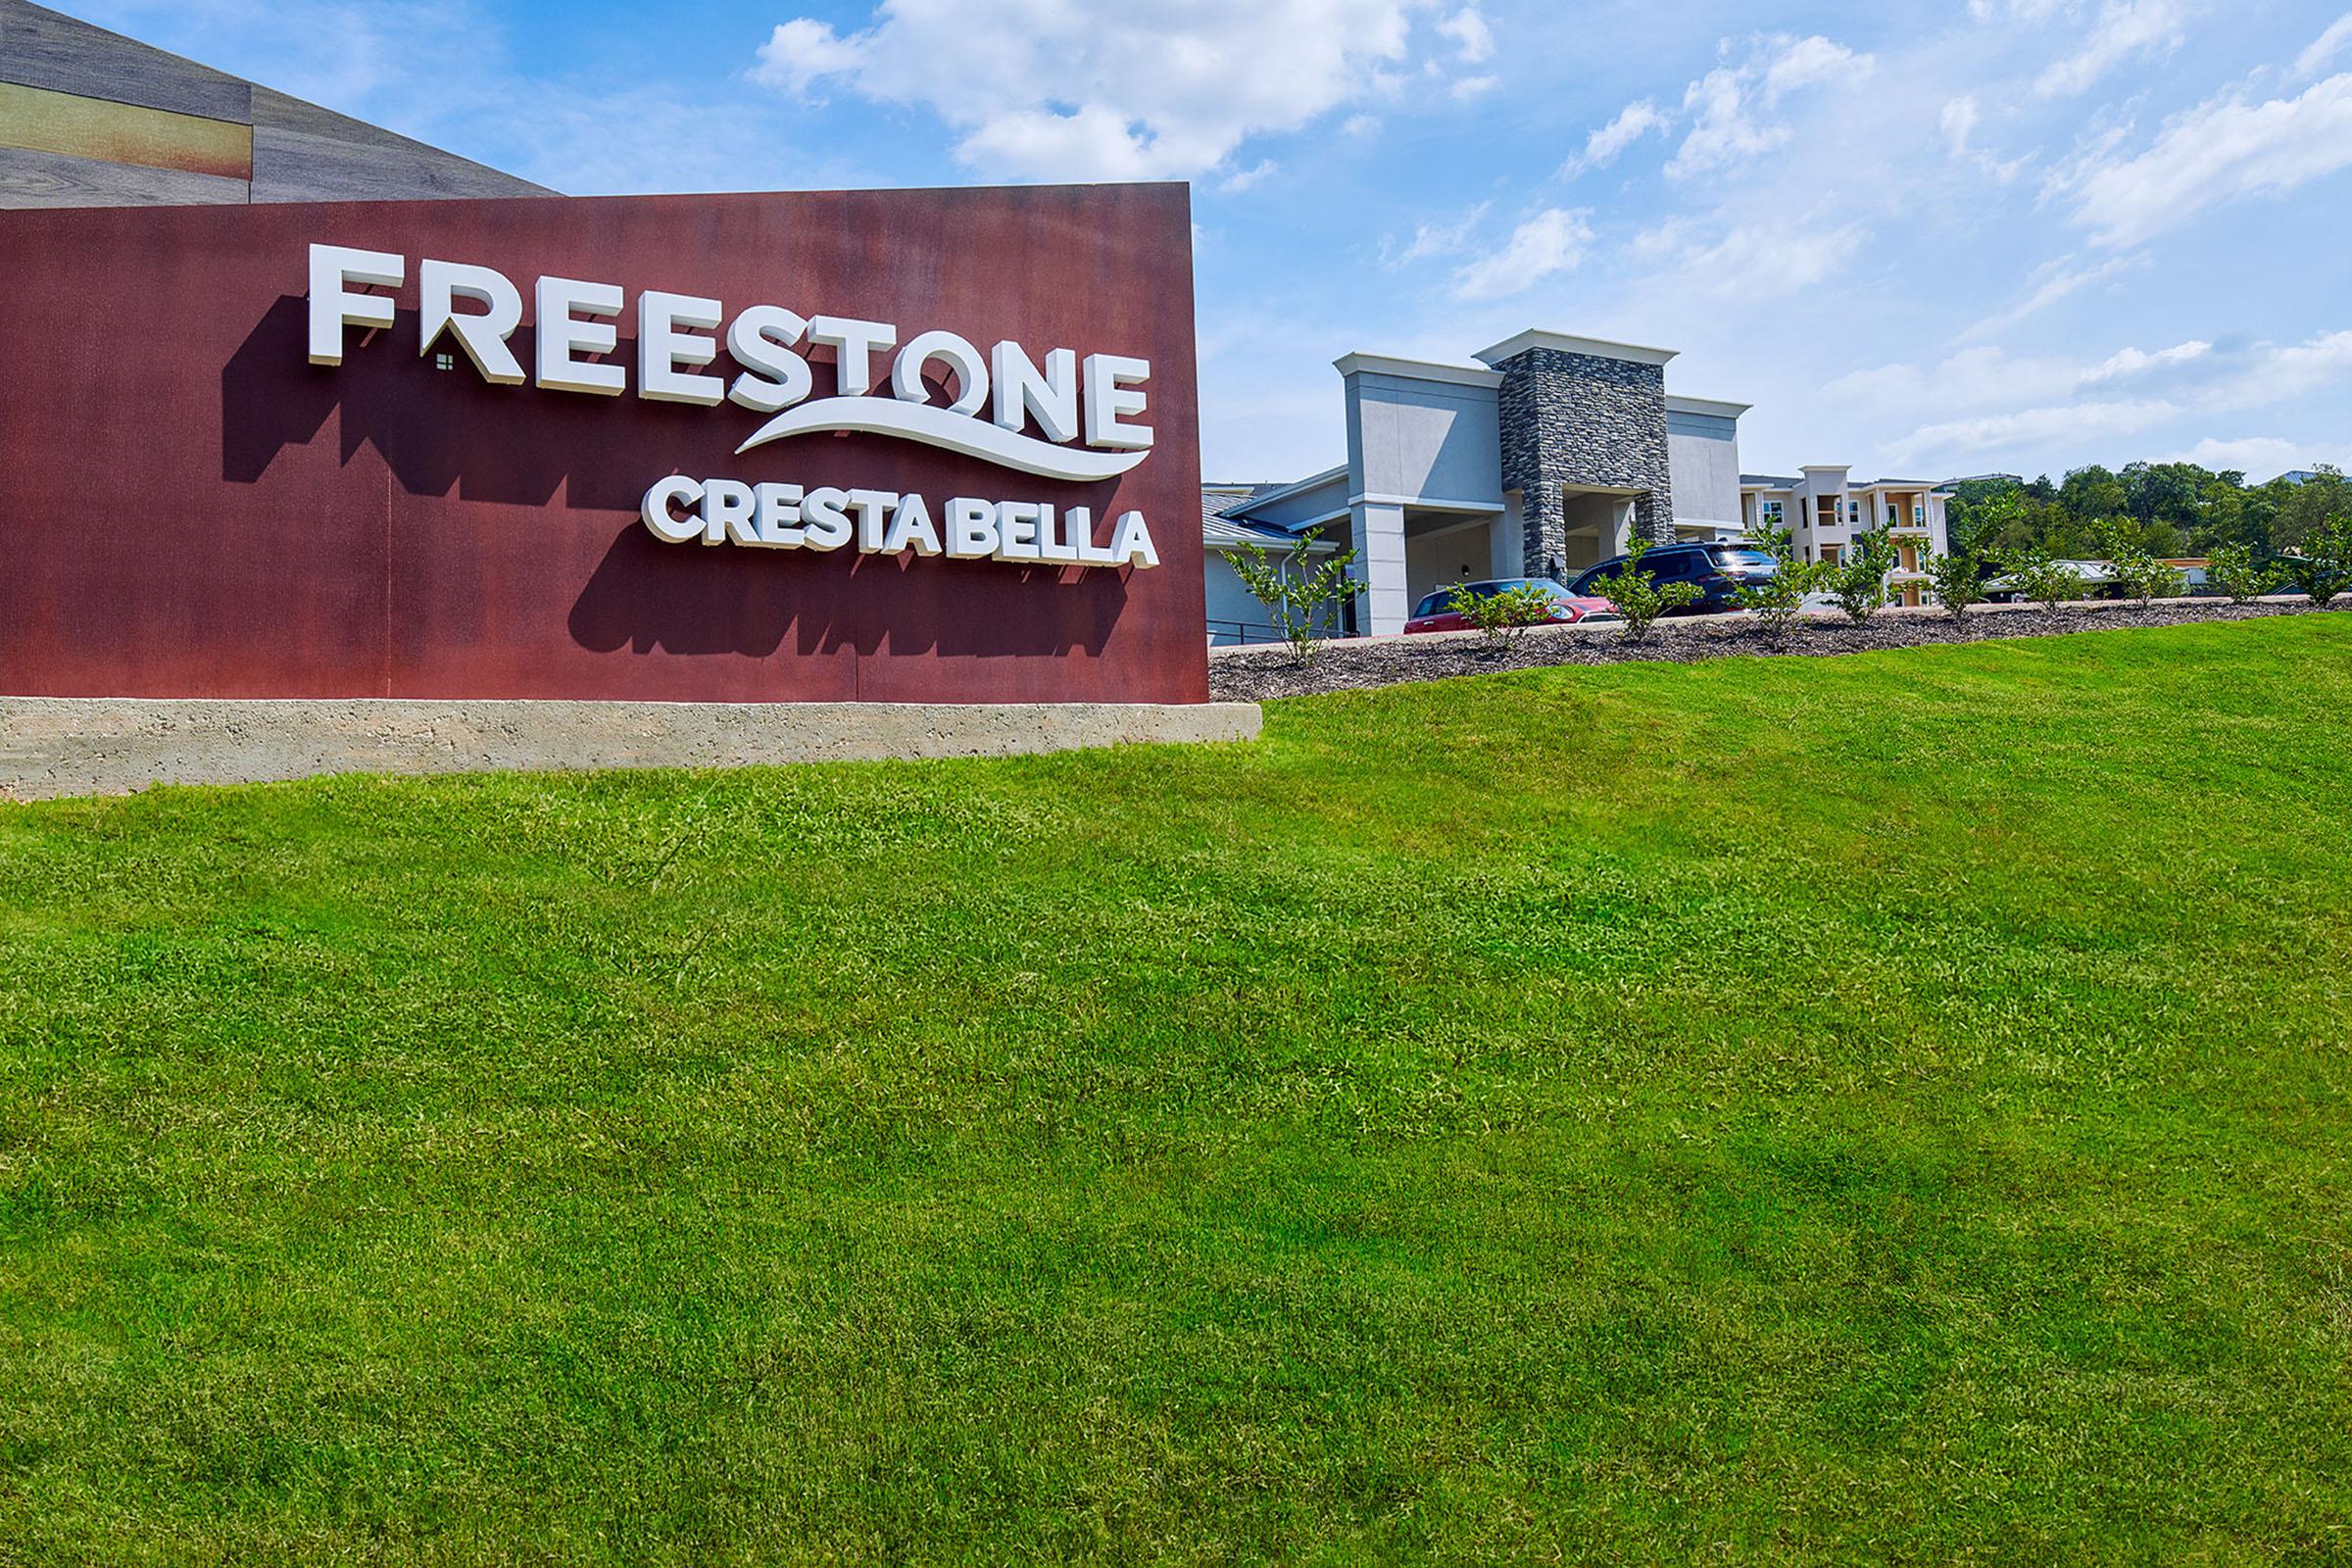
1918,514
1772,513
1832,553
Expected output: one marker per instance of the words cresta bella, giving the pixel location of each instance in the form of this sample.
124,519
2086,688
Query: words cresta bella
1085,410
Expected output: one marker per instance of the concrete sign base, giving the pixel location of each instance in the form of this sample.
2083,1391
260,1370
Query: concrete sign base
61,746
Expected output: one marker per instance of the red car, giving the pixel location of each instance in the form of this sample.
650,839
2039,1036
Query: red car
1435,612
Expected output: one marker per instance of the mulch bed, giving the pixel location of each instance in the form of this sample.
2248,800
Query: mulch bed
1264,672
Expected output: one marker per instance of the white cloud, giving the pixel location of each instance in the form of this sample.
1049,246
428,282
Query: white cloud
2189,379
1443,238
1986,377
1469,87
2052,282
2224,149
2324,49
2131,362
1242,179
2065,424
2283,373
1730,107
1958,121
1608,144
2124,29
1738,268
1472,38
1552,241
2261,458
1050,91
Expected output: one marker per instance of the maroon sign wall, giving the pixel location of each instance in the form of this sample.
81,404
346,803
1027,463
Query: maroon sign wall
188,507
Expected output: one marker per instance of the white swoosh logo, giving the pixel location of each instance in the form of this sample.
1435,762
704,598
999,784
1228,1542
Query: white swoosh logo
935,426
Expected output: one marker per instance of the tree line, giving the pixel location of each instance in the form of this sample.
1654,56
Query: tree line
2165,508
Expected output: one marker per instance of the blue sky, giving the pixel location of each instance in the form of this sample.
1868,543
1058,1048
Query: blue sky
1926,238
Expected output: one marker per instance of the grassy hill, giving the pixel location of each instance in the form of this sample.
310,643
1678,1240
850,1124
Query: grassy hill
1891,1107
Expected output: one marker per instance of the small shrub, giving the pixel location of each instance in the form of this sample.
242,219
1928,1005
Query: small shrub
1857,581
1775,600
1294,596
2233,570
2323,566
1502,619
1639,598
2142,578
1955,581
2043,578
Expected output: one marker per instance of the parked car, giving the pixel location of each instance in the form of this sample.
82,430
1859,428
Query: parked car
1717,570
1436,612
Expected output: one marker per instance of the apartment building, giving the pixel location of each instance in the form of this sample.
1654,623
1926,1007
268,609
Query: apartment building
1824,509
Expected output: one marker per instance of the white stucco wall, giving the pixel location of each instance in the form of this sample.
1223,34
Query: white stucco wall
1424,437
1702,453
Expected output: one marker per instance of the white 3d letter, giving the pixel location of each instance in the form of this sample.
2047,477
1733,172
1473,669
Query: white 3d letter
483,337
854,344
333,306
1110,378
676,490
971,529
971,375
775,377
1023,391
562,336
661,347
1133,542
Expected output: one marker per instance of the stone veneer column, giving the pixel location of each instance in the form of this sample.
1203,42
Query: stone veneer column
1581,419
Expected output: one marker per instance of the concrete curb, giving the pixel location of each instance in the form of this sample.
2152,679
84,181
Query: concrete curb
61,746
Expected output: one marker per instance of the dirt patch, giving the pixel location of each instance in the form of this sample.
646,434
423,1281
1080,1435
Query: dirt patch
1262,673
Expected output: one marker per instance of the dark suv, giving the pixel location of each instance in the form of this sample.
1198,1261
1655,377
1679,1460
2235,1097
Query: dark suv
1717,570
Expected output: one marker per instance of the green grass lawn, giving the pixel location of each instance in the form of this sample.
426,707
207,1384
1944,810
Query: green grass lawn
1877,1109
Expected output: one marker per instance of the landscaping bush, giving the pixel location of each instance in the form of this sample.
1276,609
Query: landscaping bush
1639,598
1503,617
1857,581
2231,570
1955,581
1296,597
2324,567
1775,600
2043,578
2142,578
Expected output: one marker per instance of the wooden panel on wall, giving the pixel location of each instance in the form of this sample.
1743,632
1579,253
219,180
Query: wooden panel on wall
41,121
40,48
58,179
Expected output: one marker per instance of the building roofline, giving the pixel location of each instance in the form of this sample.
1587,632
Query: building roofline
1416,370
1313,481
1593,346
1676,403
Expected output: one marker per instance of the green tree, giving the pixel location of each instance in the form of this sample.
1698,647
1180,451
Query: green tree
1502,618
1638,596
2304,509
1776,600
1955,580
2322,566
1298,596
1857,580
2136,569
2042,577
2231,568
